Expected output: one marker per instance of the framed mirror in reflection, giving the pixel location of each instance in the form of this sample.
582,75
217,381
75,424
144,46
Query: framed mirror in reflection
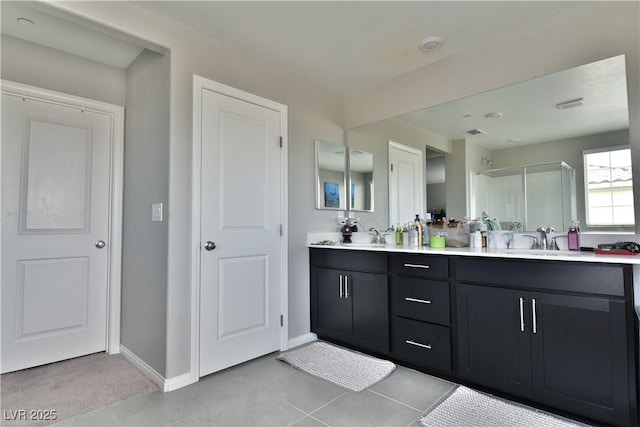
556,118
330,176
361,182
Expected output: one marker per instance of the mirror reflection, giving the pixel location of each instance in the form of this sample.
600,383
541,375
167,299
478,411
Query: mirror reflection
361,188
557,118
330,176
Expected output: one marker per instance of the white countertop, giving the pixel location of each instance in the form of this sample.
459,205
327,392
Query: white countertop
538,254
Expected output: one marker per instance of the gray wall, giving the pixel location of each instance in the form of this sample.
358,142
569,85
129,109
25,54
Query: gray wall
146,181
40,66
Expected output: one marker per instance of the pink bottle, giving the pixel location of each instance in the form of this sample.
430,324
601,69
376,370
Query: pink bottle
573,237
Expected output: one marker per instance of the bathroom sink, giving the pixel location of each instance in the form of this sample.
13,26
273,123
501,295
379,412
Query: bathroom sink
366,244
538,252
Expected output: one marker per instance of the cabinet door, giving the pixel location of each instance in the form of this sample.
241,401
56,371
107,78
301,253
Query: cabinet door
368,294
333,308
579,356
493,341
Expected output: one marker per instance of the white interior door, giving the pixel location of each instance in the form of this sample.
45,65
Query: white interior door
55,208
241,213
406,183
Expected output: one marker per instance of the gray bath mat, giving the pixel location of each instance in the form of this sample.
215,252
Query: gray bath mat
353,371
466,407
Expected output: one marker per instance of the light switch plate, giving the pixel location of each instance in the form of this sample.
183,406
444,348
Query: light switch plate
156,212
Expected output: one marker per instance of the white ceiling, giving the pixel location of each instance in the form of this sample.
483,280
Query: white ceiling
349,46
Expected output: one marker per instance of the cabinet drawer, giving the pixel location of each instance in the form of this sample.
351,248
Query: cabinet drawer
343,259
422,344
420,265
593,278
420,299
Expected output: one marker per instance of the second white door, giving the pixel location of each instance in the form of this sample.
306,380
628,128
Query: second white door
56,162
241,244
406,183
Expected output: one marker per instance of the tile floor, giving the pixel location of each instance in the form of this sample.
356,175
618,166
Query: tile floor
268,392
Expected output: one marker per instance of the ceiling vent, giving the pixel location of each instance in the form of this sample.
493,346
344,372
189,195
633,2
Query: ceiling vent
570,104
476,131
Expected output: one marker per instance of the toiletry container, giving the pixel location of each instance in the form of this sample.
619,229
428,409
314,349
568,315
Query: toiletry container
418,227
413,235
477,239
399,234
573,237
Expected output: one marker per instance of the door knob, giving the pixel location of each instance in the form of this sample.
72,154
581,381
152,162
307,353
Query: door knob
209,245
100,244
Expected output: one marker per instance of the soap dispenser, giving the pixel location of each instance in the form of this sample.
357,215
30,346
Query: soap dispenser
573,236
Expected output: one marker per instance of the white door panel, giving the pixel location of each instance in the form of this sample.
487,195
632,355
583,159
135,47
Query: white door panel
241,199
55,207
406,184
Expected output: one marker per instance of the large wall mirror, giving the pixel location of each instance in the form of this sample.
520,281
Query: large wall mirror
564,117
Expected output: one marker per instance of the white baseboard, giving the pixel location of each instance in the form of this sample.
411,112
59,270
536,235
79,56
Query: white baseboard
165,384
180,381
302,339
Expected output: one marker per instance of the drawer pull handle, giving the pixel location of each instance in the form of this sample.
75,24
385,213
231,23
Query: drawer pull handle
535,320
417,266
421,301
417,344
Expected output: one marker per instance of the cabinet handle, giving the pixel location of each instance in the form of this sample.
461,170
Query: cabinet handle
346,286
421,301
341,287
417,344
521,314
535,320
417,266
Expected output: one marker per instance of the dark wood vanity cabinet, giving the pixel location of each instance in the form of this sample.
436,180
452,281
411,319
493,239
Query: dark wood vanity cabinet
549,342
557,333
420,311
349,298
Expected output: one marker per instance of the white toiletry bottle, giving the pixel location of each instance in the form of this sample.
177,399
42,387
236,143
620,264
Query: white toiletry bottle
477,239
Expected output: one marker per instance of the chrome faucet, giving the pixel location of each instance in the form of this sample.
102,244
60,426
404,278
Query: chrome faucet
544,243
377,237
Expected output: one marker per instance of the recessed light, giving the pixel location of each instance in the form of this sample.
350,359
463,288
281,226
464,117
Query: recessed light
430,44
476,131
494,115
513,140
466,116
25,22
570,104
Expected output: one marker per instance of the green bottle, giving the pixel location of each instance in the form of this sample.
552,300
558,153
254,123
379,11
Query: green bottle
398,235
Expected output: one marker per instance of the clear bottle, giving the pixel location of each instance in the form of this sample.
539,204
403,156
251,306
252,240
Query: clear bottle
477,239
425,234
413,237
405,235
573,236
